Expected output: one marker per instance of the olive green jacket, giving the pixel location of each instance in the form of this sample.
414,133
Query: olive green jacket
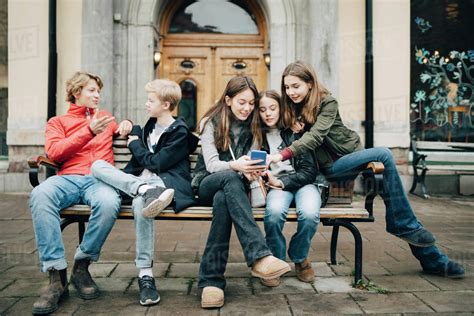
327,138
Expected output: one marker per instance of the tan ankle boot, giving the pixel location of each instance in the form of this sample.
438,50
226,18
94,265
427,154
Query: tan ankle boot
304,271
270,267
271,282
51,295
212,297
82,280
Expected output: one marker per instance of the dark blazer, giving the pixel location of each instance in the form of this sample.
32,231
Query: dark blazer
305,169
170,160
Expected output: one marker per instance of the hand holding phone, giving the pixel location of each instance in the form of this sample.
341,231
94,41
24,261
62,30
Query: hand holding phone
259,155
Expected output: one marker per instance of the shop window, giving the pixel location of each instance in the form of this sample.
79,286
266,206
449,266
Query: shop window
442,70
213,16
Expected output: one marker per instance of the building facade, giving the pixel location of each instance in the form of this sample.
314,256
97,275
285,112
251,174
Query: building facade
201,44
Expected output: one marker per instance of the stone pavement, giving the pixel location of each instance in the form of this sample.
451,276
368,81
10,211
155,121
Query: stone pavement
388,265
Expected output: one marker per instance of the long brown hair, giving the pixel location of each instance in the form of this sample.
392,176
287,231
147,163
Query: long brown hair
222,112
310,110
274,95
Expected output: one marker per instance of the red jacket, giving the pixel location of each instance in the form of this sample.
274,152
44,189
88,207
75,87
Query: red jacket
70,142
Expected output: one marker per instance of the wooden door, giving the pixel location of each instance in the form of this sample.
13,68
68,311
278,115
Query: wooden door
210,66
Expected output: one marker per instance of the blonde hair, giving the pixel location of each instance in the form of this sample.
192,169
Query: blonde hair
166,90
316,94
78,81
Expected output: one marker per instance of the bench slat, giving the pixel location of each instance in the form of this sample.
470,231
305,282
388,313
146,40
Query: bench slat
206,212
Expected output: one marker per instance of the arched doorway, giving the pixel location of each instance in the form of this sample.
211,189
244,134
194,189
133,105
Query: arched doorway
207,42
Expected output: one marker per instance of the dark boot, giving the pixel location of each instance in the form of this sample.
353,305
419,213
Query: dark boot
82,280
53,293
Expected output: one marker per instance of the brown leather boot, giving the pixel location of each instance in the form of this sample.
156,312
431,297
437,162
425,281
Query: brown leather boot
304,271
82,280
51,295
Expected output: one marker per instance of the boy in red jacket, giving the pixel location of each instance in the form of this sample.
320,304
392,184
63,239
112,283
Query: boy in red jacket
75,140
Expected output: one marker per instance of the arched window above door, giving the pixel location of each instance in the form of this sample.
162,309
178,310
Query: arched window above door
213,16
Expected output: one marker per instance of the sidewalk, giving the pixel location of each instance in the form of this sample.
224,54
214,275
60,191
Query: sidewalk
388,264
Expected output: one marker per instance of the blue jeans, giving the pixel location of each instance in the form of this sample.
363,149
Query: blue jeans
308,204
230,205
129,184
59,192
400,218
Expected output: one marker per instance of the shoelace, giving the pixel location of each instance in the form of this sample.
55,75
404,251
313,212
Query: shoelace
147,283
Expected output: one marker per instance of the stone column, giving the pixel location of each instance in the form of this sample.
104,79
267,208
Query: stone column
27,80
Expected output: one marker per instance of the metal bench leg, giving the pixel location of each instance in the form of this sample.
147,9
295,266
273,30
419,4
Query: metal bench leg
358,250
82,228
65,222
335,233
424,190
415,180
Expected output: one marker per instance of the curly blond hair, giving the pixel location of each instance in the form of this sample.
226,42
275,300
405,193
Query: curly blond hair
78,81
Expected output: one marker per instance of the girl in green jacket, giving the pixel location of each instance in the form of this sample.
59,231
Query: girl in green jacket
309,108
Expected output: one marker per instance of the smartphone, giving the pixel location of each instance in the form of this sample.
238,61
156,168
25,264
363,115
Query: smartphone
259,155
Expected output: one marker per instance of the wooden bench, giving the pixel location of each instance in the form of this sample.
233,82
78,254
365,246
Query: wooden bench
444,158
337,212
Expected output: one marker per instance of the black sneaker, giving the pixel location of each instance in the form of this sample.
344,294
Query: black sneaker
148,293
156,200
452,270
420,238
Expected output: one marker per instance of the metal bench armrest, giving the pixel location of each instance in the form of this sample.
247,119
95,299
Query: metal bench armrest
373,184
34,165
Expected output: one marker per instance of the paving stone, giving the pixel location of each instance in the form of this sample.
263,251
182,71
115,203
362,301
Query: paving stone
368,268
288,285
101,270
178,286
6,303
234,286
449,301
403,283
164,244
237,269
172,304
112,305
5,281
21,307
401,268
176,256
322,269
26,272
188,270
110,285
322,304
117,257
334,285
247,304
124,270
447,284
390,303
24,288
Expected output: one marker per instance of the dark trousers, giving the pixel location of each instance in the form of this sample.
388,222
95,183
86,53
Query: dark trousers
230,205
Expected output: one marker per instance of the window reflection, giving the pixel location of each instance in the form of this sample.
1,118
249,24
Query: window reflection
213,16
187,106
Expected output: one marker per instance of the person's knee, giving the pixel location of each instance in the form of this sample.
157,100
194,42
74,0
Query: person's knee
233,179
309,216
97,165
219,199
274,215
109,205
41,195
384,153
